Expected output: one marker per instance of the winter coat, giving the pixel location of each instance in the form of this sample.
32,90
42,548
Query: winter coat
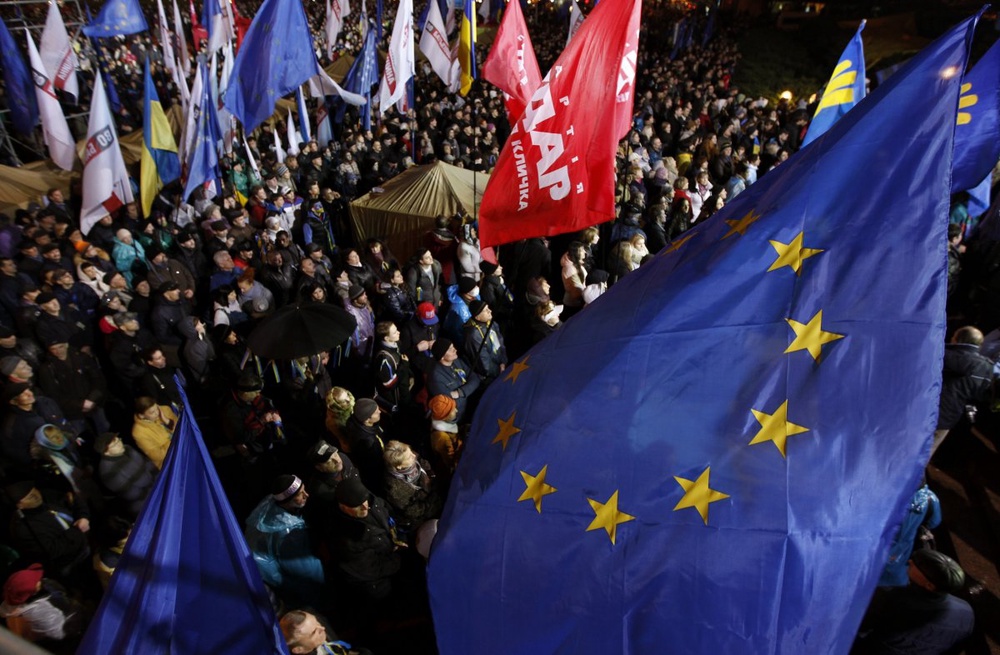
279,542
129,476
968,377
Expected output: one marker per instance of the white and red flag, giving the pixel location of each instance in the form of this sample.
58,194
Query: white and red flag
106,185
400,62
556,173
434,44
336,12
62,147
511,64
58,58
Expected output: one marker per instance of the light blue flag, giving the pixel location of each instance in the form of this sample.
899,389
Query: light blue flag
203,160
275,58
845,89
20,88
977,130
304,130
117,17
360,78
716,455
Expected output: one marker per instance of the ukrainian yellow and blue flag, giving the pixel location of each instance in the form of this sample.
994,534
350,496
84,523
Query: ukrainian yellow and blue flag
845,89
467,46
160,164
716,455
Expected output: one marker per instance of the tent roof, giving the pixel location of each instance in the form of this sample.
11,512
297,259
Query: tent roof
404,208
428,190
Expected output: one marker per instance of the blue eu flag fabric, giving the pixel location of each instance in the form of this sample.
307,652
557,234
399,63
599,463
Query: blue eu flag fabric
715,456
362,74
17,80
117,17
186,582
203,160
275,58
977,146
845,89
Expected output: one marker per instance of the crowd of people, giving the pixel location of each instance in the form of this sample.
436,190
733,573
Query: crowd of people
338,463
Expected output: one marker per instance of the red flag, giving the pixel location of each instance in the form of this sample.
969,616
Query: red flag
556,172
511,64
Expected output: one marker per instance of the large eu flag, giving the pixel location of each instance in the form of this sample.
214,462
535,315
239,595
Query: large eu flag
186,582
117,17
276,56
714,457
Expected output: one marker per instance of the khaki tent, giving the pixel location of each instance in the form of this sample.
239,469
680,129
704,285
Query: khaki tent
28,183
404,208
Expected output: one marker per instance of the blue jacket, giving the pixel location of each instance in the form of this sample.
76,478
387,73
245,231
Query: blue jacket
456,318
279,541
925,509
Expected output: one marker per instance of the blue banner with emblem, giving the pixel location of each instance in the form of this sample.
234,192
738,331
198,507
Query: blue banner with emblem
845,89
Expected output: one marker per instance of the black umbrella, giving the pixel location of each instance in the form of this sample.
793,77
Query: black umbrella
301,331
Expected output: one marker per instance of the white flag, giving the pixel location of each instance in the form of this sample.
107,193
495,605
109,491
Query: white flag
322,85
182,47
253,162
434,44
182,85
194,111
166,41
227,124
575,20
324,134
293,136
334,21
400,61
61,145
57,55
106,185
228,20
279,152
484,10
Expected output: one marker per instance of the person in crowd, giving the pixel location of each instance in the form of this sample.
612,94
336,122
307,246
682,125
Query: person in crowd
38,609
305,634
279,540
366,440
366,546
424,277
124,472
410,487
153,429
459,295
968,378
484,345
451,376
49,531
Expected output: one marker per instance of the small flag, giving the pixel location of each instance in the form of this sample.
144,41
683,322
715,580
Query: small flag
434,45
159,164
106,186
467,47
19,87
845,89
58,57
400,61
117,17
61,144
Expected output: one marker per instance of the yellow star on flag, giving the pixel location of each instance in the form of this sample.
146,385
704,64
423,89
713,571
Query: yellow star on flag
535,488
792,254
741,226
776,427
608,516
810,336
516,369
675,245
698,494
507,430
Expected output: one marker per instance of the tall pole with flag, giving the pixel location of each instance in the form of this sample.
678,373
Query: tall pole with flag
845,89
186,581
106,186
159,164
203,156
511,64
182,48
556,172
275,58
772,380
977,147
61,144
58,57
467,47
434,44
359,80
18,85
400,62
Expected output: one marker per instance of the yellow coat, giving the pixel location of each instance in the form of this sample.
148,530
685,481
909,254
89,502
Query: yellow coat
153,437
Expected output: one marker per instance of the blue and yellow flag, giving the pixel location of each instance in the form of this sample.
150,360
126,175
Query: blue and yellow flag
845,89
160,164
186,582
716,455
467,46
977,131
275,58
360,78
18,82
117,17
